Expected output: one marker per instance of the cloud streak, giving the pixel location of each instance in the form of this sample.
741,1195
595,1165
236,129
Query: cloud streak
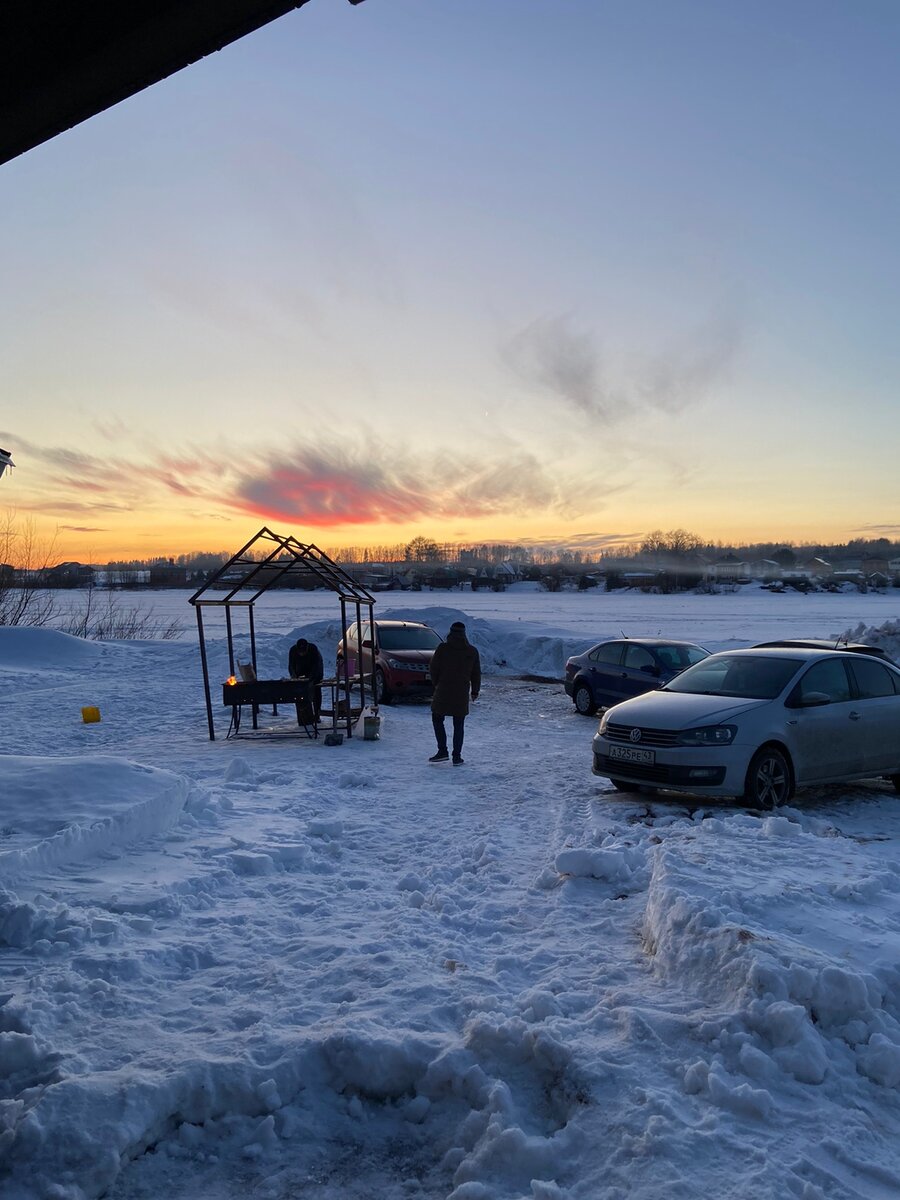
329,486
323,485
554,357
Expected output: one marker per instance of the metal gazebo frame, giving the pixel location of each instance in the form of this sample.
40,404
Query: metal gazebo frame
287,558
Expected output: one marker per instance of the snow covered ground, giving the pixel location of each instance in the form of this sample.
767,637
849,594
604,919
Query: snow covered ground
274,969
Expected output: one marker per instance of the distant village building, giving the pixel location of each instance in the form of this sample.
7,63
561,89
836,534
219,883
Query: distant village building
507,572
67,575
121,577
730,569
848,575
818,568
767,570
164,575
875,564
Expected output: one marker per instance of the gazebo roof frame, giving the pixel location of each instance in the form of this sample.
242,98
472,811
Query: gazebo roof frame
285,557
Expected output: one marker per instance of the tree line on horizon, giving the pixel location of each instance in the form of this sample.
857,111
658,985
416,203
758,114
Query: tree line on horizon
672,544
20,549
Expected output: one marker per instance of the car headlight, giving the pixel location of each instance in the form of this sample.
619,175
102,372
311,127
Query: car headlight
604,721
708,735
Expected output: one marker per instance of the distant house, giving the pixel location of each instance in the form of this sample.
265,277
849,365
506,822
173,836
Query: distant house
641,579
121,577
849,575
442,577
894,567
875,564
67,575
507,572
377,581
818,568
766,569
167,575
729,569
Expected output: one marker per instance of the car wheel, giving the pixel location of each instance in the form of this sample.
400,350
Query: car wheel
584,700
382,692
770,781
621,785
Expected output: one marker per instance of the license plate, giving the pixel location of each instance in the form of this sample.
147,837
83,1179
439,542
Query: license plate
632,754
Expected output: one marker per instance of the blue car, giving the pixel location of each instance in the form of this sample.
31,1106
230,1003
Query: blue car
618,670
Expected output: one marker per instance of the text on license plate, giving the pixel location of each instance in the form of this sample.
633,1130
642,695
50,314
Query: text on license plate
631,754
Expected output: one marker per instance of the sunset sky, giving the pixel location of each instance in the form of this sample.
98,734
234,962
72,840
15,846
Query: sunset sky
549,270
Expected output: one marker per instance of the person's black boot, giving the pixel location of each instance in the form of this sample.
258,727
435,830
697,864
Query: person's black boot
458,760
441,756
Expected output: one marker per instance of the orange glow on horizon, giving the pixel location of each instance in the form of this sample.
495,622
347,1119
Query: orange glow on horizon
146,539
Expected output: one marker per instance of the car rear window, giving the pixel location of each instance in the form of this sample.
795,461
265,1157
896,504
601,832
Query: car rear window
607,652
745,676
410,637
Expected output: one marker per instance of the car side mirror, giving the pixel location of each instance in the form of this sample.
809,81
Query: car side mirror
367,644
812,700
650,669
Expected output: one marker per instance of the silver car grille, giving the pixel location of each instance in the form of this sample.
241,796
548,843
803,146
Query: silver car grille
649,737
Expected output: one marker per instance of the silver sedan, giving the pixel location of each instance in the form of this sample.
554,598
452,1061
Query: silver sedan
757,724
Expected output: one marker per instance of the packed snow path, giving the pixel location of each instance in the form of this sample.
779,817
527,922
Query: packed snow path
278,969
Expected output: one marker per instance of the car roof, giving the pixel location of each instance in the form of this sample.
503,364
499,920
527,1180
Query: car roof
650,641
824,644
799,652
402,624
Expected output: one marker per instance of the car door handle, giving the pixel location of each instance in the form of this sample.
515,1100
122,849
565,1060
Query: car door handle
854,716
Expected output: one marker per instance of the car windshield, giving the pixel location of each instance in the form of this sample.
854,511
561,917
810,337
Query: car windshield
745,676
409,637
676,658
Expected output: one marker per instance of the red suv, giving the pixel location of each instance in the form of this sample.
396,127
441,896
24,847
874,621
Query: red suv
402,656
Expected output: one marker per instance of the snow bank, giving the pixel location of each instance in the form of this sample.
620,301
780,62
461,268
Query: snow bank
23,648
506,647
887,636
613,864
439,1100
65,810
775,1003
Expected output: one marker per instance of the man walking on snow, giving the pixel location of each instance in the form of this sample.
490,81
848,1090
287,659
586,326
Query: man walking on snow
455,673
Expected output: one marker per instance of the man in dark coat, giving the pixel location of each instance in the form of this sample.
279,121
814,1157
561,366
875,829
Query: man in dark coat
305,662
455,673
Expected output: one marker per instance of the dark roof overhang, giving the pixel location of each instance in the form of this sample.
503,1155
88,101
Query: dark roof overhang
62,61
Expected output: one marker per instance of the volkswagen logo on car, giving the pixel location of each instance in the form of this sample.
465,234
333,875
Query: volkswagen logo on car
635,735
